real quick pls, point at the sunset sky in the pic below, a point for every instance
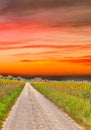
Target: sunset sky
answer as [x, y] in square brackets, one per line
[45, 37]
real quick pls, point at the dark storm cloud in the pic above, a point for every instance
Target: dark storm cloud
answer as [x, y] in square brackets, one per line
[23, 4]
[54, 13]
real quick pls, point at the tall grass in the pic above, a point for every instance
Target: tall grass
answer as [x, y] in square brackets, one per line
[72, 97]
[9, 91]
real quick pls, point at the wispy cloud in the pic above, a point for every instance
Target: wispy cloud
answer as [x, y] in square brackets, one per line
[86, 57]
[84, 60]
[26, 61]
[68, 47]
[72, 61]
[77, 60]
[36, 53]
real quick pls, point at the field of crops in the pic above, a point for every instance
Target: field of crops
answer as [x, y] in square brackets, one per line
[9, 91]
[72, 97]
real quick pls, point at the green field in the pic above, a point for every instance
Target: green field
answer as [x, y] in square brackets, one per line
[72, 97]
[9, 91]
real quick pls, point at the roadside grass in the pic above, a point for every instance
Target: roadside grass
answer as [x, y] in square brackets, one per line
[76, 103]
[9, 91]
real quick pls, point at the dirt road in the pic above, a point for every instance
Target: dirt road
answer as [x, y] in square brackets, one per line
[33, 111]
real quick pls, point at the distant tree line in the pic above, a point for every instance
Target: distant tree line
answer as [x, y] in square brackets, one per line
[10, 77]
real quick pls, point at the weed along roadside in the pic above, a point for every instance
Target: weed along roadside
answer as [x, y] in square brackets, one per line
[73, 97]
[9, 91]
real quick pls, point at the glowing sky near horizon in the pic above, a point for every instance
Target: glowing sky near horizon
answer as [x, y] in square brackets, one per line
[45, 37]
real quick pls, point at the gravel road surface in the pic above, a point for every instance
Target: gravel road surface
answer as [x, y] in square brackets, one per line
[33, 111]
